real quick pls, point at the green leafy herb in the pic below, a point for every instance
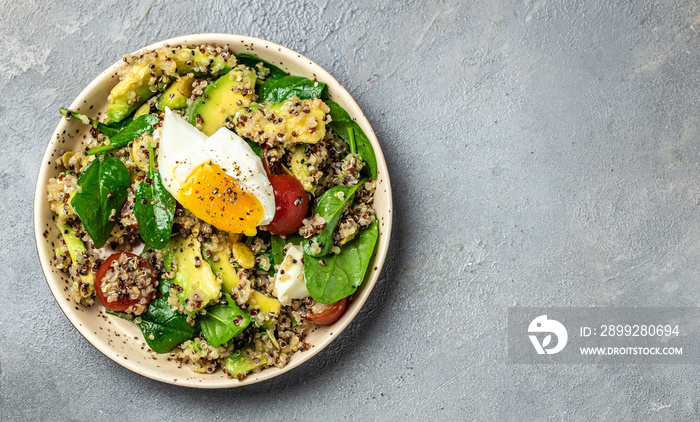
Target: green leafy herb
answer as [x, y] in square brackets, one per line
[278, 89]
[162, 328]
[257, 149]
[335, 277]
[102, 189]
[108, 129]
[271, 258]
[330, 206]
[164, 287]
[131, 131]
[223, 322]
[154, 208]
[338, 113]
[252, 60]
[277, 245]
[348, 129]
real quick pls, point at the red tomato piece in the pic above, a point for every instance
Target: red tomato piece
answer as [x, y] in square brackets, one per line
[126, 283]
[329, 315]
[291, 204]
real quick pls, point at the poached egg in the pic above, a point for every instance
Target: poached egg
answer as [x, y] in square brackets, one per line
[218, 178]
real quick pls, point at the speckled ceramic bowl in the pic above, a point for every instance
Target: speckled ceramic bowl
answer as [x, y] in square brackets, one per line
[121, 340]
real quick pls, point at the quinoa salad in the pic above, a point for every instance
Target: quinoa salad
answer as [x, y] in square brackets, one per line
[221, 204]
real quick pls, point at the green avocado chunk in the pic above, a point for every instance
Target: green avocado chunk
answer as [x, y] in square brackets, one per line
[153, 71]
[221, 99]
[175, 97]
[239, 363]
[223, 269]
[196, 284]
[76, 250]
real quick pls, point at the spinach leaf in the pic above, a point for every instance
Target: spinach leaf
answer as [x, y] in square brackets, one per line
[102, 189]
[164, 286]
[268, 254]
[330, 206]
[348, 129]
[133, 130]
[108, 129]
[278, 89]
[332, 278]
[257, 149]
[162, 328]
[338, 113]
[223, 322]
[154, 208]
[277, 246]
[252, 60]
[112, 129]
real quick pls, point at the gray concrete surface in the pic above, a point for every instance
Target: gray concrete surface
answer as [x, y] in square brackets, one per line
[542, 153]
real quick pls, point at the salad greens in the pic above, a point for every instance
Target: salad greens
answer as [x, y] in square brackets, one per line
[280, 88]
[108, 129]
[337, 276]
[348, 129]
[102, 190]
[131, 131]
[163, 328]
[277, 245]
[330, 206]
[154, 208]
[223, 322]
[257, 149]
[268, 254]
[252, 60]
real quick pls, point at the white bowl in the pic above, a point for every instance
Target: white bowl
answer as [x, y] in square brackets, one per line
[121, 340]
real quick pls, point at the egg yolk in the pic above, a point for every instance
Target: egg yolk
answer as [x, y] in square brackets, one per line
[215, 197]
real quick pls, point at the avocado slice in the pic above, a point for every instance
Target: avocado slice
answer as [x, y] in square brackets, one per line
[196, 284]
[143, 79]
[221, 99]
[224, 270]
[145, 108]
[239, 363]
[175, 97]
[76, 250]
[301, 168]
[268, 305]
[298, 121]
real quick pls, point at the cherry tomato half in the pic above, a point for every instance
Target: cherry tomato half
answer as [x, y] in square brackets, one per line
[133, 280]
[329, 315]
[291, 204]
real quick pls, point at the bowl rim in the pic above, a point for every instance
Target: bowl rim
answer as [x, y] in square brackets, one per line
[380, 251]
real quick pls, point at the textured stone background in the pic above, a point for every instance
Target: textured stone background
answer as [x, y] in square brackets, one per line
[541, 155]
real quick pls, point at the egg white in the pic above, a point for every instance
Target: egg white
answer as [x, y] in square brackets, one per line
[180, 151]
[182, 148]
[289, 281]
